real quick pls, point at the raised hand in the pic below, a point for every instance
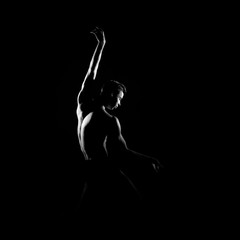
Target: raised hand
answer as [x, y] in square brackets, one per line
[156, 164]
[99, 34]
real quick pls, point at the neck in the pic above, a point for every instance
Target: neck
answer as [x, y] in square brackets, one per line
[105, 109]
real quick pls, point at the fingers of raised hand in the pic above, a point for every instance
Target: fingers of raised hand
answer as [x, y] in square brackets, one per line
[155, 167]
[99, 34]
[97, 30]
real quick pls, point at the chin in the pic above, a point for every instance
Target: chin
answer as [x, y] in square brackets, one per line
[112, 107]
[109, 108]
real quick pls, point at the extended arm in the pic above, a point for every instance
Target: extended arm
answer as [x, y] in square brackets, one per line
[94, 63]
[118, 148]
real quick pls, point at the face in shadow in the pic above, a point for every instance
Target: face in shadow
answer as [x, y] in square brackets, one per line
[115, 100]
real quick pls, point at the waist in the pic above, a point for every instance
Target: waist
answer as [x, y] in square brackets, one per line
[99, 156]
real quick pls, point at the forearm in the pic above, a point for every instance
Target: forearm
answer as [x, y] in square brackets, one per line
[126, 154]
[146, 159]
[89, 86]
[138, 155]
[93, 67]
[126, 157]
[94, 63]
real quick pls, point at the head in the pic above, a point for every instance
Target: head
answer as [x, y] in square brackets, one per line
[112, 93]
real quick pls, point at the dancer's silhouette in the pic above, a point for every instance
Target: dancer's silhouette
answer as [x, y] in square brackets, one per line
[107, 155]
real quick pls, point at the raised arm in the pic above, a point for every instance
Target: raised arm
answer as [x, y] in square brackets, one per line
[93, 66]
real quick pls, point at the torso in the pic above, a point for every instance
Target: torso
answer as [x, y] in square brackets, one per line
[92, 133]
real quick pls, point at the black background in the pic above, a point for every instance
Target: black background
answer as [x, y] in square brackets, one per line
[166, 57]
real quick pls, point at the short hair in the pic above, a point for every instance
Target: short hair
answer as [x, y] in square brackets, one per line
[112, 86]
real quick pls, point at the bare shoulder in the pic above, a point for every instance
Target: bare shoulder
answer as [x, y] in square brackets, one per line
[99, 117]
[110, 122]
[113, 120]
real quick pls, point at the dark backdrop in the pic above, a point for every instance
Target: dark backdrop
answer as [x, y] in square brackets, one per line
[165, 57]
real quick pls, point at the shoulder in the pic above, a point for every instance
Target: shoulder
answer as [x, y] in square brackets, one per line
[97, 115]
[83, 108]
[107, 121]
[110, 118]
[88, 92]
